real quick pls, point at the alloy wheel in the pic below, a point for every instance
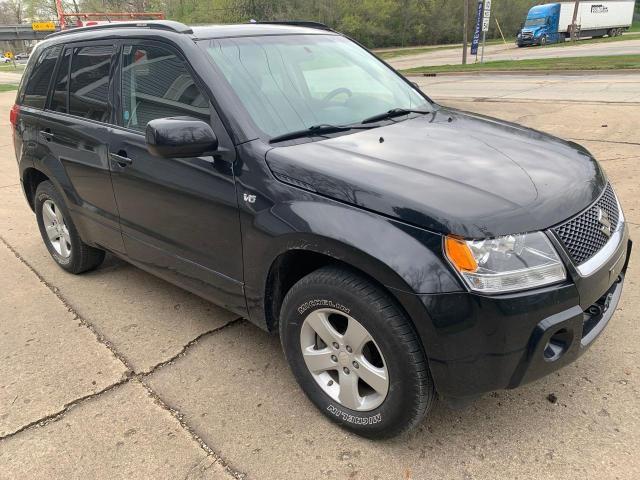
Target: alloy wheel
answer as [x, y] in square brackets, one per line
[56, 228]
[344, 360]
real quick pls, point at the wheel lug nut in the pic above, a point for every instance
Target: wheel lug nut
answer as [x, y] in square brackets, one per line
[346, 370]
[356, 365]
[349, 349]
[335, 345]
[334, 358]
[329, 383]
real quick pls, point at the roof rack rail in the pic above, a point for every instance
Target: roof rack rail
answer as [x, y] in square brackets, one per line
[296, 23]
[152, 24]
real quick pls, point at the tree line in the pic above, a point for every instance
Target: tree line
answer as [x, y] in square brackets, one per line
[376, 23]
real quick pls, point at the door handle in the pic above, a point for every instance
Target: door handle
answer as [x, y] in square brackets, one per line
[121, 158]
[46, 133]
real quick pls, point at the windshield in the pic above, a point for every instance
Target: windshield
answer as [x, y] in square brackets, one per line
[293, 82]
[534, 22]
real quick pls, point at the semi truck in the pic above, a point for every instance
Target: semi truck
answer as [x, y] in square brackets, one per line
[551, 23]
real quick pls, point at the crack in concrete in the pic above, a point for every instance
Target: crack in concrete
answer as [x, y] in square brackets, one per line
[199, 468]
[54, 417]
[175, 413]
[183, 351]
[521, 118]
[617, 142]
[617, 158]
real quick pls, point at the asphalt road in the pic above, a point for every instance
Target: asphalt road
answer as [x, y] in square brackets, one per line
[116, 374]
[511, 52]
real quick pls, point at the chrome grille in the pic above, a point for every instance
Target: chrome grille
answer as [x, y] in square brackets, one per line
[582, 236]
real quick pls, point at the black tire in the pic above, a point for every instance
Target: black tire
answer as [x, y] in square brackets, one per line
[411, 393]
[543, 41]
[82, 257]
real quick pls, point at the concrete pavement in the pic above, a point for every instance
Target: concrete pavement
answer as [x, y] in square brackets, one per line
[184, 389]
[512, 52]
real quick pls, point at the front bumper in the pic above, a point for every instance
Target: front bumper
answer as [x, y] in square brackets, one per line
[478, 343]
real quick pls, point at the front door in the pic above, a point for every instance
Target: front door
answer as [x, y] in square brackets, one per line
[179, 217]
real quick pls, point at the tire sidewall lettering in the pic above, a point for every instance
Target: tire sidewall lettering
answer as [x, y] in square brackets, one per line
[354, 419]
[321, 302]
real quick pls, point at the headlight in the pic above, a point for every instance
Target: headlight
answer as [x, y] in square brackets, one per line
[505, 264]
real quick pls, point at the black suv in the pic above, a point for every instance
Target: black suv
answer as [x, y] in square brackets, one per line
[398, 247]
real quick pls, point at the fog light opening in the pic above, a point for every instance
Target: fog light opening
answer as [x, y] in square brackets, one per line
[557, 345]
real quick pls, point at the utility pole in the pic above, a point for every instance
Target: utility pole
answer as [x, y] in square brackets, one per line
[465, 39]
[574, 26]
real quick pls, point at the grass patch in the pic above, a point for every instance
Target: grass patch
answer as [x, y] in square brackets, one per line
[619, 62]
[7, 87]
[635, 27]
[9, 67]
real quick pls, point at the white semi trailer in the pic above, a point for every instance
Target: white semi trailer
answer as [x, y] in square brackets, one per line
[551, 23]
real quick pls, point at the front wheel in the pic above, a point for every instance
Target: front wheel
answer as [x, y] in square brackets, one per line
[355, 354]
[543, 41]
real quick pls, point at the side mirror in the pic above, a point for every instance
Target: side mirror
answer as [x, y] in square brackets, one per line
[180, 137]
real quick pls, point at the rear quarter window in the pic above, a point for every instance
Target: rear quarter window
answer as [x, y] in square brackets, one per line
[36, 86]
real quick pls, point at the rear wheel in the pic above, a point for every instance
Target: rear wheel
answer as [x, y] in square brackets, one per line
[355, 354]
[60, 235]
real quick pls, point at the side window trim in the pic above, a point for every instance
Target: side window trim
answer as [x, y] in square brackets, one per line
[142, 42]
[52, 86]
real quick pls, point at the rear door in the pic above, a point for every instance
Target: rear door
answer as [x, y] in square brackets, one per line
[179, 217]
[74, 133]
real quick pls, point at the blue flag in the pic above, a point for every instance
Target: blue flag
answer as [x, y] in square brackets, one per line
[476, 33]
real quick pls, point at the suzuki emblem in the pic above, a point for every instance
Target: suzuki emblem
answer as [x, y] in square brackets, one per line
[605, 222]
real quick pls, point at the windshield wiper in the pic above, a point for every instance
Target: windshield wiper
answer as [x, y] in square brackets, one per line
[396, 112]
[317, 130]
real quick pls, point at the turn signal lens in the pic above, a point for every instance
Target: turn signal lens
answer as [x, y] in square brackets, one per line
[460, 254]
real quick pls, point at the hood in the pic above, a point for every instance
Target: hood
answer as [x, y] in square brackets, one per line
[449, 172]
[533, 30]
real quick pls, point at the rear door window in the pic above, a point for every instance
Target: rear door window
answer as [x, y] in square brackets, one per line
[37, 87]
[155, 84]
[89, 87]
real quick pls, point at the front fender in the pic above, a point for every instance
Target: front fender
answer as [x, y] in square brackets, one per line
[401, 257]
